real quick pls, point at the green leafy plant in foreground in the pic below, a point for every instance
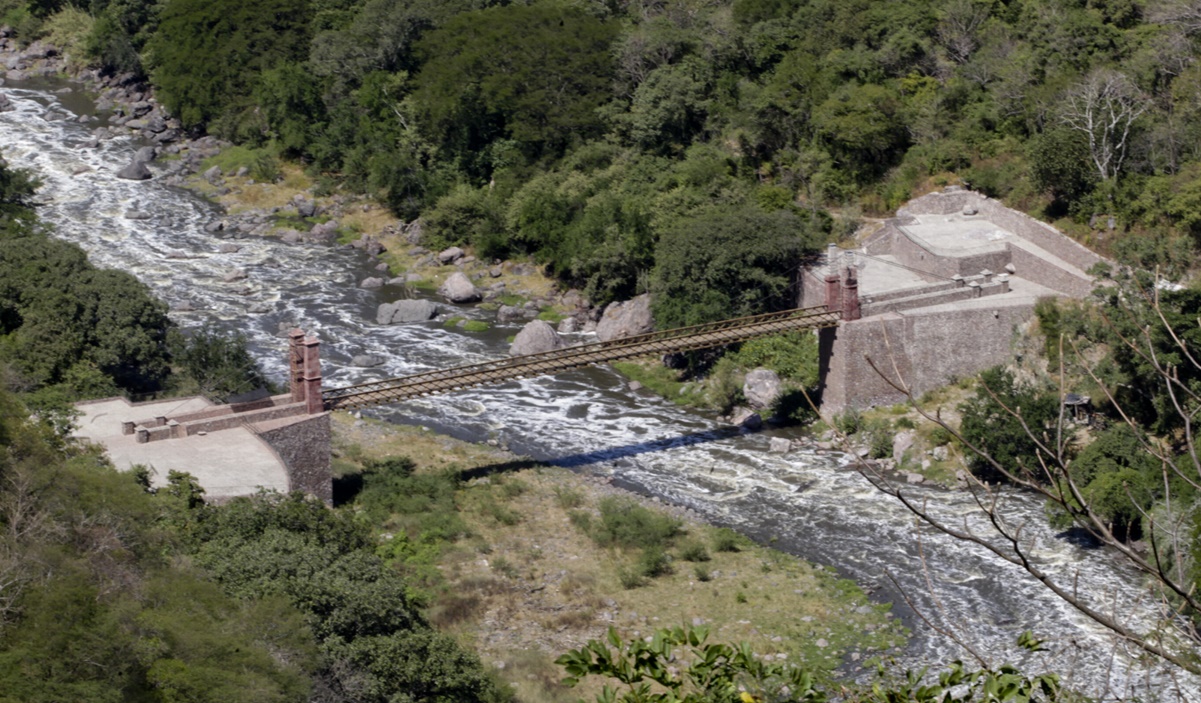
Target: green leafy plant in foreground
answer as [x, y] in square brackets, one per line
[655, 672]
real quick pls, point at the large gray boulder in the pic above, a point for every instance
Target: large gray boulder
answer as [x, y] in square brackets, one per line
[459, 289]
[405, 311]
[626, 319]
[449, 256]
[536, 337]
[761, 388]
[146, 154]
[135, 171]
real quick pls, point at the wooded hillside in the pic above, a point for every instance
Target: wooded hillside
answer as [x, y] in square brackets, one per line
[584, 132]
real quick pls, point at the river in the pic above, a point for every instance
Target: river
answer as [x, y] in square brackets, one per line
[806, 502]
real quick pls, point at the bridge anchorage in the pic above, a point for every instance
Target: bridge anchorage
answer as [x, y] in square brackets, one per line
[715, 334]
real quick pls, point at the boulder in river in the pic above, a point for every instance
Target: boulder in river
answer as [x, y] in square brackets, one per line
[405, 311]
[509, 313]
[626, 319]
[459, 289]
[372, 282]
[367, 360]
[135, 171]
[146, 154]
[761, 388]
[745, 417]
[536, 337]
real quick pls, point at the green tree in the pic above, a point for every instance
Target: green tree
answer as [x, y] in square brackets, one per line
[1059, 165]
[217, 363]
[207, 54]
[729, 263]
[861, 124]
[535, 73]
[1005, 422]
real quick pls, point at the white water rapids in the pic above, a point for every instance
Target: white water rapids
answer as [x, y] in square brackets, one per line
[809, 502]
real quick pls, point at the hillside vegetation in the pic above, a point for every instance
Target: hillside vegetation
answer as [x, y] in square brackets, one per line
[633, 145]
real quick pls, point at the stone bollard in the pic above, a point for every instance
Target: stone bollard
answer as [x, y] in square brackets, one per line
[143, 435]
[128, 427]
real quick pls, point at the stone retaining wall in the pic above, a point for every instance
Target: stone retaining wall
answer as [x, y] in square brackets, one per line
[303, 447]
[920, 349]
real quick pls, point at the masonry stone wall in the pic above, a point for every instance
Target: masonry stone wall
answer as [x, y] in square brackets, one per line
[920, 349]
[1032, 267]
[304, 448]
[1021, 224]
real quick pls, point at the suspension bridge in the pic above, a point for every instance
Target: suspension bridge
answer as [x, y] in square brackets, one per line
[683, 339]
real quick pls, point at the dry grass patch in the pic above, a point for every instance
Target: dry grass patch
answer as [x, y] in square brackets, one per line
[525, 590]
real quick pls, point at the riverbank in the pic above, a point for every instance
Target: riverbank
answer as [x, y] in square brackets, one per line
[526, 583]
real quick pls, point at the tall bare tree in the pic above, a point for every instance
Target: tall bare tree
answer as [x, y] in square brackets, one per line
[959, 28]
[1104, 106]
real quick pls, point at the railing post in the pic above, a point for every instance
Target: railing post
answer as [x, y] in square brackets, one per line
[312, 376]
[850, 296]
[296, 364]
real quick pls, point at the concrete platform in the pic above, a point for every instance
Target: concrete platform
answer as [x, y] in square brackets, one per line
[957, 235]
[228, 463]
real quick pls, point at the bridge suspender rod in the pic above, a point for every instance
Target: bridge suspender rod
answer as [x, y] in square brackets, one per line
[668, 341]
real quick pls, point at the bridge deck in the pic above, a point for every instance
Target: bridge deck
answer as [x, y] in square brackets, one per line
[682, 339]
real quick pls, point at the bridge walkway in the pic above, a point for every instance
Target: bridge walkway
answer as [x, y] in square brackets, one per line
[715, 334]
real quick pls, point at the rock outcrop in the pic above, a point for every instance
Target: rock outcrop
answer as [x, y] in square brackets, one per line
[536, 337]
[459, 289]
[405, 311]
[626, 319]
[761, 388]
[135, 171]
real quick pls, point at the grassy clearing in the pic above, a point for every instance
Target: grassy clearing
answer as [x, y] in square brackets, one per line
[543, 560]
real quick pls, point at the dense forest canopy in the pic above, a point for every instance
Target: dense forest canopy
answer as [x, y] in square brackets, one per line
[580, 131]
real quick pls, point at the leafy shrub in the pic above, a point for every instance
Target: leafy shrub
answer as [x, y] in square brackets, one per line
[511, 487]
[793, 355]
[568, 498]
[631, 579]
[849, 422]
[69, 29]
[582, 520]
[217, 363]
[702, 573]
[727, 540]
[940, 436]
[654, 561]
[694, 551]
[625, 523]
[501, 513]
